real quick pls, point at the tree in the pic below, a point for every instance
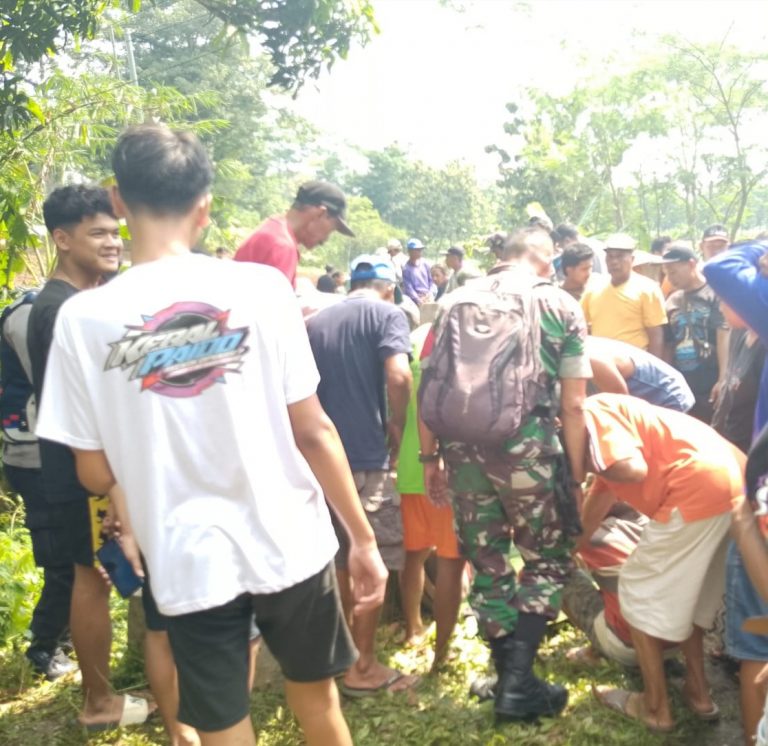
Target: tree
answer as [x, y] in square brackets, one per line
[54, 123]
[670, 147]
[83, 114]
[566, 149]
[301, 38]
[438, 205]
[28, 31]
[724, 93]
[258, 145]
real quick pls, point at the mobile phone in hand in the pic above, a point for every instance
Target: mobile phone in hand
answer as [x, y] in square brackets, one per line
[119, 569]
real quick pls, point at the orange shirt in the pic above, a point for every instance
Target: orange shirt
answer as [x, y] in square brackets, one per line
[690, 466]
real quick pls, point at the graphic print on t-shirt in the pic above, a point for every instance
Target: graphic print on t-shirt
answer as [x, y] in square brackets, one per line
[181, 350]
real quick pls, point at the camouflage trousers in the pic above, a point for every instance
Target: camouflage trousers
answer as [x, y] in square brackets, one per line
[501, 503]
[582, 602]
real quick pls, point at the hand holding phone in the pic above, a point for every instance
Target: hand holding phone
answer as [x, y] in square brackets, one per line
[119, 569]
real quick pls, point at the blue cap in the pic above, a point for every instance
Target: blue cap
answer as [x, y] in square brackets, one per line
[414, 243]
[374, 268]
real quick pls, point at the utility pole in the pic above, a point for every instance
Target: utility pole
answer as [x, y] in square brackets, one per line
[115, 66]
[131, 61]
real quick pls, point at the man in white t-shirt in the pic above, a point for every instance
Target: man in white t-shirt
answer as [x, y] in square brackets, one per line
[190, 384]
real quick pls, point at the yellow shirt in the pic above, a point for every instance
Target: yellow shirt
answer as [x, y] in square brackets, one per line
[625, 311]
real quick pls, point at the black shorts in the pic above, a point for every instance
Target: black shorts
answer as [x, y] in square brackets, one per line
[77, 537]
[303, 626]
[158, 622]
[50, 545]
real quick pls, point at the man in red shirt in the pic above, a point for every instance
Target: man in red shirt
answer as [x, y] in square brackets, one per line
[318, 210]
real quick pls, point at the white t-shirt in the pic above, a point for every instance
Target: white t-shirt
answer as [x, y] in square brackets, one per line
[181, 370]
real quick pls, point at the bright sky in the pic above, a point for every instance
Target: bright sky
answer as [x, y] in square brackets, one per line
[436, 80]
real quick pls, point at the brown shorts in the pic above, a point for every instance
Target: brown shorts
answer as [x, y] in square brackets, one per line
[381, 504]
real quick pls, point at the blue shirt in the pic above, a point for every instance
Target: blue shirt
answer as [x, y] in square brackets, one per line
[350, 341]
[735, 276]
[658, 382]
[417, 280]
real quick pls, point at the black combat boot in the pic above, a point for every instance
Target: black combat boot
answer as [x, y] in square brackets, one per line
[484, 687]
[519, 694]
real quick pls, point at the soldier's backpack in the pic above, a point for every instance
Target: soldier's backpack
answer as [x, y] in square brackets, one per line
[482, 379]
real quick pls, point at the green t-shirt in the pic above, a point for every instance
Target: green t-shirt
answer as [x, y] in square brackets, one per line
[410, 472]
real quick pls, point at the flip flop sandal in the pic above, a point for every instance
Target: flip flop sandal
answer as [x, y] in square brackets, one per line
[616, 700]
[135, 712]
[707, 716]
[585, 655]
[355, 692]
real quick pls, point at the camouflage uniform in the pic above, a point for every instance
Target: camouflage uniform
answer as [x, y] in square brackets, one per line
[507, 493]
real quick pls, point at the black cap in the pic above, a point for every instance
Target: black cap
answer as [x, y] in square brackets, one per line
[715, 231]
[496, 240]
[455, 251]
[328, 195]
[679, 254]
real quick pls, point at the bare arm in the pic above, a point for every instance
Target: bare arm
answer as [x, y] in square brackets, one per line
[723, 339]
[607, 377]
[435, 478]
[95, 474]
[573, 393]
[656, 340]
[319, 443]
[596, 507]
[751, 545]
[723, 345]
[632, 469]
[124, 531]
[94, 471]
[399, 380]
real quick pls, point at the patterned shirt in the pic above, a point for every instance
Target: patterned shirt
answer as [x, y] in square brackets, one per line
[694, 318]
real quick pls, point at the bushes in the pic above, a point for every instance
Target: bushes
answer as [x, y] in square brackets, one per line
[19, 578]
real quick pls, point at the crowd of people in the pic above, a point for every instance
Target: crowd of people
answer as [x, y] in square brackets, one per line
[567, 427]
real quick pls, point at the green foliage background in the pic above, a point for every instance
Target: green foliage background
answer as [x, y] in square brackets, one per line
[19, 578]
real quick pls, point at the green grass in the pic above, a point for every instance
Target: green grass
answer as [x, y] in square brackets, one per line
[438, 713]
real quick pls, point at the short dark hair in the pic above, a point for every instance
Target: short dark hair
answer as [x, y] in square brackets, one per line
[68, 205]
[516, 245]
[375, 284]
[162, 170]
[336, 274]
[660, 243]
[575, 254]
[565, 232]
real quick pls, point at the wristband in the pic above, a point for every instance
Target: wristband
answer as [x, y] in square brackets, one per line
[429, 458]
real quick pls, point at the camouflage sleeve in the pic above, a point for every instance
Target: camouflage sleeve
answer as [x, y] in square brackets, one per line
[574, 361]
